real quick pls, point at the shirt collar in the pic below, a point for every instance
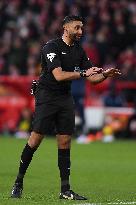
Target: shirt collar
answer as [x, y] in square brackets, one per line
[67, 43]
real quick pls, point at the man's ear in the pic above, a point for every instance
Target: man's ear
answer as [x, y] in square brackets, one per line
[66, 28]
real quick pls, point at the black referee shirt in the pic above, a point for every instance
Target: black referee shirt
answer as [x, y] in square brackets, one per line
[56, 53]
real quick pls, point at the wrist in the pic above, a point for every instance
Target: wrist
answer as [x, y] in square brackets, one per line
[77, 74]
[83, 74]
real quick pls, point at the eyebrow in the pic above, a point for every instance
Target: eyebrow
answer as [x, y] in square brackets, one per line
[78, 25]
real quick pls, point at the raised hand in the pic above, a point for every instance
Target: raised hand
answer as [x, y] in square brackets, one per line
[111, 72]
[93, 70]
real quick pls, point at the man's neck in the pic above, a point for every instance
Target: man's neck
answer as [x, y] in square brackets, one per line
[67, 40]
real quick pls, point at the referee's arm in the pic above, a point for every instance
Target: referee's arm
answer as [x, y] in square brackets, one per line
[97, 78]
[64, 75]
[51, 55]
[98, 74]
[86, 64]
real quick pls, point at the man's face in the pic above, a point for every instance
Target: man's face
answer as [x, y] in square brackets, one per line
[74, 30]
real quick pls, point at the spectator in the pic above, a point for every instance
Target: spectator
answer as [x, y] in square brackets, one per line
[113, 99]
[111, 29]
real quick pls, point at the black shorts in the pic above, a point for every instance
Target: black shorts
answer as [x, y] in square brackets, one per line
[53, 113]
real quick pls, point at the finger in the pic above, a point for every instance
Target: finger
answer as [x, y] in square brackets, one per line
[114, 69]
[94, 73]
[98, 70]
[111, 69]
[118, 73]
[94, 67]
[91, 73]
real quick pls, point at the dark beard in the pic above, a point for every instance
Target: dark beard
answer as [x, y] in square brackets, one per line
[74, 37]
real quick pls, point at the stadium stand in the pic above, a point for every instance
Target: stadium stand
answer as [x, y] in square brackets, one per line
[109, 40]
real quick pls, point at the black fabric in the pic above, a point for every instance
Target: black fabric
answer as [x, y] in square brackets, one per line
[55, 54]
[64, 167]
[50, 56]
[54, 114]
[54, 110]
[26, 158]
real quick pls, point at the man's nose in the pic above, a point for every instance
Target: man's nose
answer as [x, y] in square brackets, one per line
[80, 31]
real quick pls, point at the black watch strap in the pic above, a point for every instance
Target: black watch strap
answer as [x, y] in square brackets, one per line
[83, 73]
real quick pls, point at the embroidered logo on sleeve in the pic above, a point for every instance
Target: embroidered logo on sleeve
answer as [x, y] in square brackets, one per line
[50, 56]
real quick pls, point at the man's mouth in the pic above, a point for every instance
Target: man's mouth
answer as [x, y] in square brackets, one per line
[79, 36]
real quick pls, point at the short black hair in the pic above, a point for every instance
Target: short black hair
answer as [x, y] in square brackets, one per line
[68, 19]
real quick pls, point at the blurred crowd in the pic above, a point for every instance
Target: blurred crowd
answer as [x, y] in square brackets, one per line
[109, 32]
[109, 40]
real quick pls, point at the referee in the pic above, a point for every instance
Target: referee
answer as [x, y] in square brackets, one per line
[63, 60]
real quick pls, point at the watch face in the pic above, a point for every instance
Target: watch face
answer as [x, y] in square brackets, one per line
[77, 68]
